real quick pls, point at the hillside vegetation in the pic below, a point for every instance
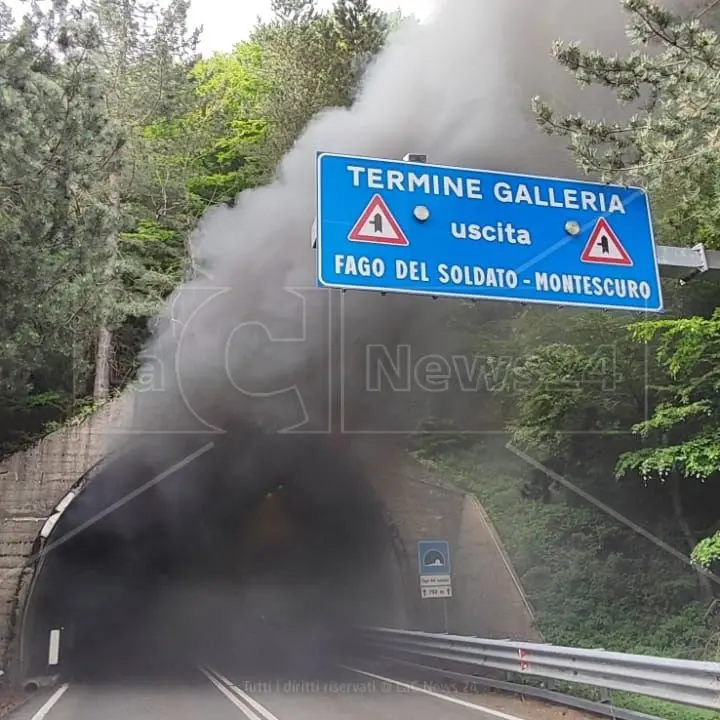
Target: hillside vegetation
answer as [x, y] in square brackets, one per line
[592, 581]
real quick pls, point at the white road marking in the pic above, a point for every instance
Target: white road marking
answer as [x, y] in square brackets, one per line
[439, 696]
[48, 706]
[244, 709]
[254, 704]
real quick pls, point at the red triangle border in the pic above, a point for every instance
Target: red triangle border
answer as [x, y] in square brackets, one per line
[603, 225]
[378, 203]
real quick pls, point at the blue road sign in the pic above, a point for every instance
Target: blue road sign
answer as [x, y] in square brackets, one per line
[422, 229]
[434, 557]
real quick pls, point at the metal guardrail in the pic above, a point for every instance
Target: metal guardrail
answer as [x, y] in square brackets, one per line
[474, 683]
[687, 682]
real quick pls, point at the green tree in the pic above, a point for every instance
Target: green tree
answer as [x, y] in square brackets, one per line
[250, 104]
[670, 146]
[227, 126]
[145, 53]
[312, 60]
[55, 147]
[681, 439]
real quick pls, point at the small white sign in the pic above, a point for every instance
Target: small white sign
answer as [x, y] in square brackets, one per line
[435, 580]
[54, 647]
[441, 591]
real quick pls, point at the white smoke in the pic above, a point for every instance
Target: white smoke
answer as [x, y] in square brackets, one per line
[458, 88]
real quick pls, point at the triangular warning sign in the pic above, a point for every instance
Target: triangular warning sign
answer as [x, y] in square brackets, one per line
[377, 225]
[604, 247]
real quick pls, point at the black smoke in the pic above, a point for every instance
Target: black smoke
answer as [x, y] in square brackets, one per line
[264, 377]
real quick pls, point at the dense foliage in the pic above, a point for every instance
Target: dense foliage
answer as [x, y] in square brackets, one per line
[117, 136]
[591, 581]
[667, 398]
[613, 418]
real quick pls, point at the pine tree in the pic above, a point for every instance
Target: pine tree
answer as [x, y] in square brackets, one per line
[671, 146]
[145, 52]
[313, 60]
[55, 147]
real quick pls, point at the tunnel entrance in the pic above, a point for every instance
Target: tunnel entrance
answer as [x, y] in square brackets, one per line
[262, 554]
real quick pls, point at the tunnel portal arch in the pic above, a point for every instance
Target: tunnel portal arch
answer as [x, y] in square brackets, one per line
[488, 598]
[68, 522]
[14, 655]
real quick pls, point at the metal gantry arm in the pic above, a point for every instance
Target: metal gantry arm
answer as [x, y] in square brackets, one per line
[686, 264]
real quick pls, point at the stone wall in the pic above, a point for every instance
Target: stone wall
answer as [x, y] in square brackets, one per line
[494, 603]
[31, 484]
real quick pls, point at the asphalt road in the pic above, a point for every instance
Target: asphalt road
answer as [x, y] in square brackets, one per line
[208, 694]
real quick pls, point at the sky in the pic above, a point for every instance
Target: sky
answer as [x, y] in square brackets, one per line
[226, 22]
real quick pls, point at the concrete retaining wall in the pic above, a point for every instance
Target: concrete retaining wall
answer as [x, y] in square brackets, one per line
[488, 599]
[494, 602]
[31, 484]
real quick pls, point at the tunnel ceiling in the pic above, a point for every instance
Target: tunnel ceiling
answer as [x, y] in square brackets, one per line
[259, 547]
